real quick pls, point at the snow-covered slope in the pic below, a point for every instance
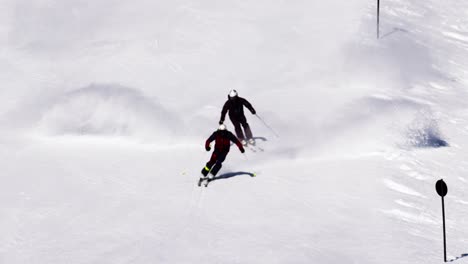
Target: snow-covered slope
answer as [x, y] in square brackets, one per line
[105, 107]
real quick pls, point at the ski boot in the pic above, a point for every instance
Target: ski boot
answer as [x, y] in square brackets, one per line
[204, 175]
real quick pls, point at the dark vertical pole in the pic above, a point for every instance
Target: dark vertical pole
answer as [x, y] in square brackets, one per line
[378, 18]
[442, 190]
[443, 225]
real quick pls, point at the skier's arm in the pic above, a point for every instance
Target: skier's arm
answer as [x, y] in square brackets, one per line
[208, 142]
[249, 106]
[223, 112]
[237, 142]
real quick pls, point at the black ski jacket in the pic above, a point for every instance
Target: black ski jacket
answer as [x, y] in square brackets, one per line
[223, 140]
[235, 106]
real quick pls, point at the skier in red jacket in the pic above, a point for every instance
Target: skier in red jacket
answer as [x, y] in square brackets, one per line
[235, 106]
[223, 139]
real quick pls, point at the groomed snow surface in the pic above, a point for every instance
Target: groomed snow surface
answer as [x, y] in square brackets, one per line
[105, 107]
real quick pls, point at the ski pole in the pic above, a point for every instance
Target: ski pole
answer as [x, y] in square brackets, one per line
[267, 125]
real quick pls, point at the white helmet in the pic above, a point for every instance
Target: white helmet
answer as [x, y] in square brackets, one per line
[232, 93]
[222, 127]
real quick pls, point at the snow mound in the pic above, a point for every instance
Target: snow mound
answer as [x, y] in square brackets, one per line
[424, 132]
[107, 109]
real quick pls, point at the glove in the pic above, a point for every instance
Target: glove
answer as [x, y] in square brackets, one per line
[242, 150]
[208, 148]
[221, 122]
[254, 112]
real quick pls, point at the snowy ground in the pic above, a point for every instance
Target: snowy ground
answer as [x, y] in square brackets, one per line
[105, 108]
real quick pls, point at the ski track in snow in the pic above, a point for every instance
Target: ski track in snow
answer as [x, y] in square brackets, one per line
[401, 188]
[409, 217]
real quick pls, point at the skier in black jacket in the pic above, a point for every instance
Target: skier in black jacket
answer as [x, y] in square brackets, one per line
[223, 139]
[235, 106]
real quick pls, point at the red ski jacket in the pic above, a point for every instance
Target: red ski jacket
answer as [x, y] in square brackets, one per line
[223, 140]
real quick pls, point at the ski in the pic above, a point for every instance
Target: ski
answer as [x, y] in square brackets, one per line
[255, 148]
[208, 180]
[252, 148]
[200, 181]
[204, 181]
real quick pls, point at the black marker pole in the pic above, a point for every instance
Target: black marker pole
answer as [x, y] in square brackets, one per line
[443, 227]
[442, 190]
[378, 18]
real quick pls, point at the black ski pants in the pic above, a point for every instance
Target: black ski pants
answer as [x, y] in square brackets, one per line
[238, 122]
[215, 163]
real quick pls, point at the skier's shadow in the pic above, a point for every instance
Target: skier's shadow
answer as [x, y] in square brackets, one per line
[228, 175]
[395, 30]
[260, 138]
[457, 258]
